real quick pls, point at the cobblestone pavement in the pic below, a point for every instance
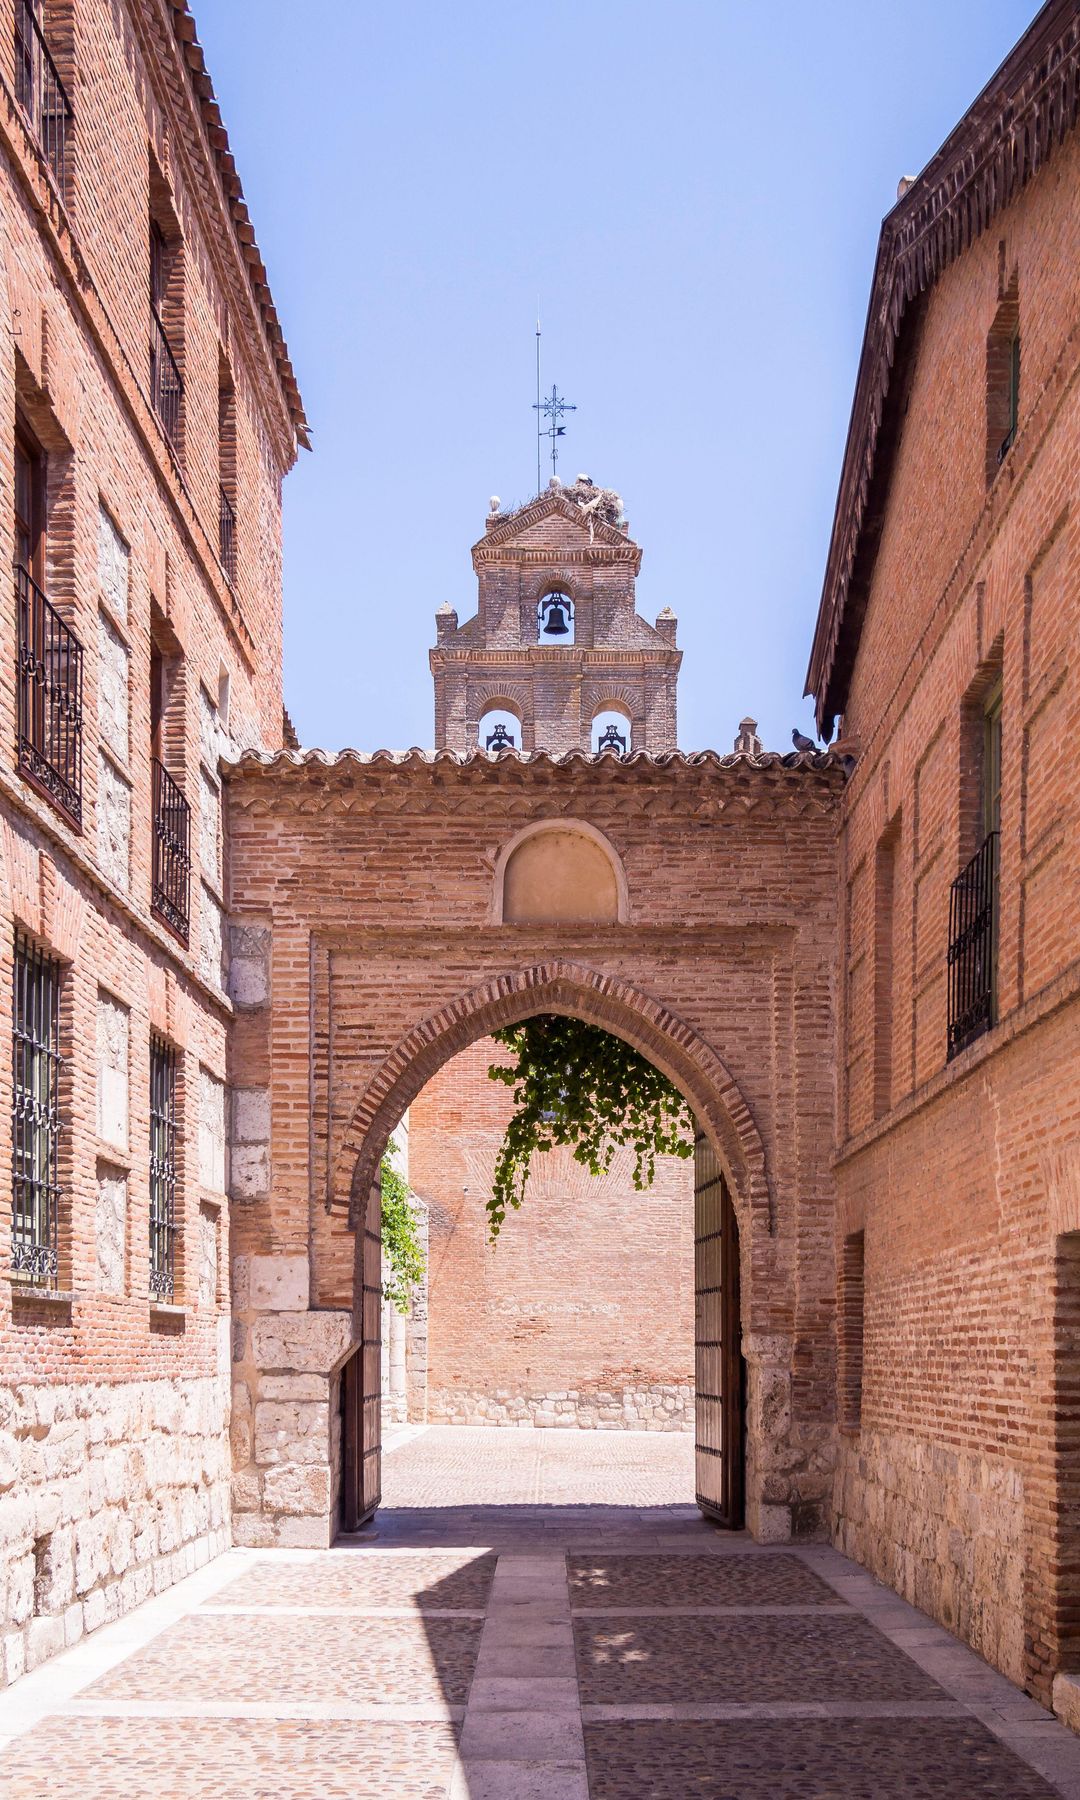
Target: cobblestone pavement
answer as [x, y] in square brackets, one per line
[586, 1637]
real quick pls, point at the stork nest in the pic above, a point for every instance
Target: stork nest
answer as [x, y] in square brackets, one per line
[596, 502]
[599, 502]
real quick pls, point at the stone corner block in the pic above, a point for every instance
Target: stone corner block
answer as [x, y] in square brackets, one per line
[1067, 1700]
[278, 1283]
[300, 1342]
[768, 1524]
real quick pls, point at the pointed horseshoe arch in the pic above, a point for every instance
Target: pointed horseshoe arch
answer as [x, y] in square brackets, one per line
[581, 993]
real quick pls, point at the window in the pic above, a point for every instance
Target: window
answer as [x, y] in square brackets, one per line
[851, 1313]
[884, 959]
[555, 618]
[35, 1115]
[49, 666]
[170, 891]
[1002, 374]
[39, 89]
[1012, 396]
[162, 1170]
[973, 902]
[29, 505]
[166, 310]
[226, 469]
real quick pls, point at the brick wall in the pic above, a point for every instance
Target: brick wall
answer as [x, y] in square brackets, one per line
[113, 1411]
[582, 1313]
[963, 1176]
[364, 890]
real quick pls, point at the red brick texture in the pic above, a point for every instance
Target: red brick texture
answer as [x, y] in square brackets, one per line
[957, 1484]
[113, 1415]
[616, 662]
[582, 1313]
[374, 881]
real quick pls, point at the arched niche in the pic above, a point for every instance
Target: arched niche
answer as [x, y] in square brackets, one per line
[559, 872]
[608, 718]
[499, 713]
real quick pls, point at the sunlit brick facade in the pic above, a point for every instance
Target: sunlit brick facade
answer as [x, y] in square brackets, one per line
[147, 416]
[948, 638]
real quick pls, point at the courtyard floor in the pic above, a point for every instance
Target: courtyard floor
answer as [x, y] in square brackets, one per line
[532, 1616]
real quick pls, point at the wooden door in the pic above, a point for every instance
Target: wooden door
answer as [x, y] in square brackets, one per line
[717, 1343]
[361, 1386]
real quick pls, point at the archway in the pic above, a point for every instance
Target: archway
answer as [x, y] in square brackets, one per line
[721, 1147]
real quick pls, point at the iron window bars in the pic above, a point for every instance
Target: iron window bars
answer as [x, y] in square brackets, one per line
[50, 684]
[166, 382]
[39, 89]
[35, 1115]
[973, 947]
[162, 1170]
[227, 534]
[170, 896]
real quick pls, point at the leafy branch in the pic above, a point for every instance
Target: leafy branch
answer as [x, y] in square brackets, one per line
[578, 1086]
[400, 1240]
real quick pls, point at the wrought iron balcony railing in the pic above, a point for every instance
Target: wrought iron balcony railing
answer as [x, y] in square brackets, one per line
[166, 382]
[40, 91]
[50, 684]
[973, 947]
[171, 874]
[227, 534]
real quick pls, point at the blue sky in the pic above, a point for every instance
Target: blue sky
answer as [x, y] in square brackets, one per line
[694, 192]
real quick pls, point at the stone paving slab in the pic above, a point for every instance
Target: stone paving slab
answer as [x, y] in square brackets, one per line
[682, 1581]
[301, 1658]
[229, 1759]
[375, 1578]
[806, 1760]
[652, 1658]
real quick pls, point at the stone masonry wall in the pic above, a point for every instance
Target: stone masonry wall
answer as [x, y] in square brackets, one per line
[582, 1312]
[108, 1494]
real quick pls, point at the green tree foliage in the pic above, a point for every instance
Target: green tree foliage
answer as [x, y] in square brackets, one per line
[400, 1241]
[574, 1084]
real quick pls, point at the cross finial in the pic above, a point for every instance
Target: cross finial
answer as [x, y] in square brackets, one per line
[552, 409]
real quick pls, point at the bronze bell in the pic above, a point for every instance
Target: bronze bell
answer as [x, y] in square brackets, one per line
[555, 624]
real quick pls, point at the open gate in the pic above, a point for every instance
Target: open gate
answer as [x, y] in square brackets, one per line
[718, 1362]
[361, 1387]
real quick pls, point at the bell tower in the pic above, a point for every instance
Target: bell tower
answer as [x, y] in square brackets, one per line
[555, 654]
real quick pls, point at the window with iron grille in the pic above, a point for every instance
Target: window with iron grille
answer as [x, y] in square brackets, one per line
[162, 1170]
[166, 320]
[973, 905]
[35, 1115]
[39, 89]
[226, 468]
[49, 665]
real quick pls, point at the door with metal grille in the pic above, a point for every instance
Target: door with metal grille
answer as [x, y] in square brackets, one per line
[361, 1385]
[717, 1343]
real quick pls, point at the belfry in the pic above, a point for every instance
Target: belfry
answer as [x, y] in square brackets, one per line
[556, 651]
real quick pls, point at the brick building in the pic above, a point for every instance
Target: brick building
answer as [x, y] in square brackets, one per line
[861, 968]
[947, 639]
[148, 416]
